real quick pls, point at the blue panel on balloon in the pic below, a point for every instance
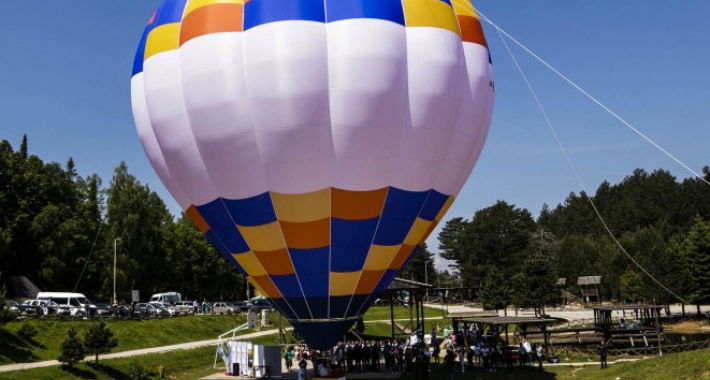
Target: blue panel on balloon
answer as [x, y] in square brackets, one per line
[385, 281]
[282, 306]
[403, 204]
[288, 285]
[318, 307]
[219, 220]
[338, 306]
[356, 305]
[322, 335]
[298, 305]
[350, 242]
[433, 204]
[258, 12]
[314, 284]
[446, 1]
[169, 11]
[392, 231]
[307, 261]
[254, 211]
[140, 53]
[390, 10]
[217, 242]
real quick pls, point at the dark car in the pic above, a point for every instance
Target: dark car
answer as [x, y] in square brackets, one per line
[103, 310]
[149, 310]
[260, 304]
[240, 306]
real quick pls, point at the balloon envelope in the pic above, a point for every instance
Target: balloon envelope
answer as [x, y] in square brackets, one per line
[315, 143]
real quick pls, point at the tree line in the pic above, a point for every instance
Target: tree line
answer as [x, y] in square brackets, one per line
[663, 223]
[57, 228]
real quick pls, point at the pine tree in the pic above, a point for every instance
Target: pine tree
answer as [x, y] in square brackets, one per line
[23, 147]
[694, 253]
[496, 291]
[72, 349]
[99, 340]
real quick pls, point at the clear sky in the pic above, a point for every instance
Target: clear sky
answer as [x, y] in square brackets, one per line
[65, 69]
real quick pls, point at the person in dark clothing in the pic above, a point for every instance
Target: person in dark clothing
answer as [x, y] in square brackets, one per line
[450, 362]
[603, 353]
[437, 351]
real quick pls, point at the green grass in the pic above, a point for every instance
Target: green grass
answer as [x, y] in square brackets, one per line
[690, 365]
[184, 364]
[131, 334]
[400, 312]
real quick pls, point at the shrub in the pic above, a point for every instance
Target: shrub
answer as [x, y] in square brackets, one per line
[72, 349]
[99, 339]
[136, 371]
[27, 331]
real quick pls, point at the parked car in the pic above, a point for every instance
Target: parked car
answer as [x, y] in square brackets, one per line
[39, 307]
[103, 310]
[223, 308]
[169, 297]
[260, 304]
[13, 306]
[150, 310]
[185, 307]
[75, 304]
[169, 308]
[240, 306]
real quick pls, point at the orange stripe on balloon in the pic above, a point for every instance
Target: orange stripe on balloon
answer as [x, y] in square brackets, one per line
[215, 18]
[197, 218]
[276, 262]
[402, 256]
[357, 205]
[471, 30]
[307, 235]
[368, 281]
[267, 286]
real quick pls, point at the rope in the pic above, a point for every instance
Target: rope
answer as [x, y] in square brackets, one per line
[574, 169]
[96, 238]
[583, 91]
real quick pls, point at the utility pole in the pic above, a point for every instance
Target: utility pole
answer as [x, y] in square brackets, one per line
[115, 242]
[426, 279]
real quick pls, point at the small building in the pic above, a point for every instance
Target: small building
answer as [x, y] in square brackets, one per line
[589, 288]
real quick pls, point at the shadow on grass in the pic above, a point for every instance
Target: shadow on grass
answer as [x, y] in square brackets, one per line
[13, 349]
[478, 373]
[78, 372]
[109, 371]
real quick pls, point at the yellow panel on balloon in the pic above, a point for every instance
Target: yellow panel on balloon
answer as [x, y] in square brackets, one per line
[432, 13]
[250, 263]
[194, 4]
[307, 207]
[464, 8]
[343, 283]
[380, 256]
[417, 232]
[263, 238]
[161, 39]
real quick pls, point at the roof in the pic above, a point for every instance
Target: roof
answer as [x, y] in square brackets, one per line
[472, 314]
[401, 283]
[509, 320]
[631, 306]
[589, 280]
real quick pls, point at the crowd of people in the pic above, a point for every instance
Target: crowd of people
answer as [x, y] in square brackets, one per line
[456, 351]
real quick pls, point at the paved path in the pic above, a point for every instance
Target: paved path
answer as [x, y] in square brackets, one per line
[143, 351]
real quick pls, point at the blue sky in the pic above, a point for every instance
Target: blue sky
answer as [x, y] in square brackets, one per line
[65, 72]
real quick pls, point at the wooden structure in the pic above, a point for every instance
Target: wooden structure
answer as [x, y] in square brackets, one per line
[643, 323]
[412, 293]
[589, 288]
[498, 326]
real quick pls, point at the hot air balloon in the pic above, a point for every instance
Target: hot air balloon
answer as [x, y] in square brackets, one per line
[315, 143]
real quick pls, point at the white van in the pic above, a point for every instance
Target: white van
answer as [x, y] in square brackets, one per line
[74, 304]
[170, 297]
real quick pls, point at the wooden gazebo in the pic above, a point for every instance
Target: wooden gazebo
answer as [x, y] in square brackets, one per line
[499, 325]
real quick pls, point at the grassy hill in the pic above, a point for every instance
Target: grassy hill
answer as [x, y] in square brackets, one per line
[131, 334]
